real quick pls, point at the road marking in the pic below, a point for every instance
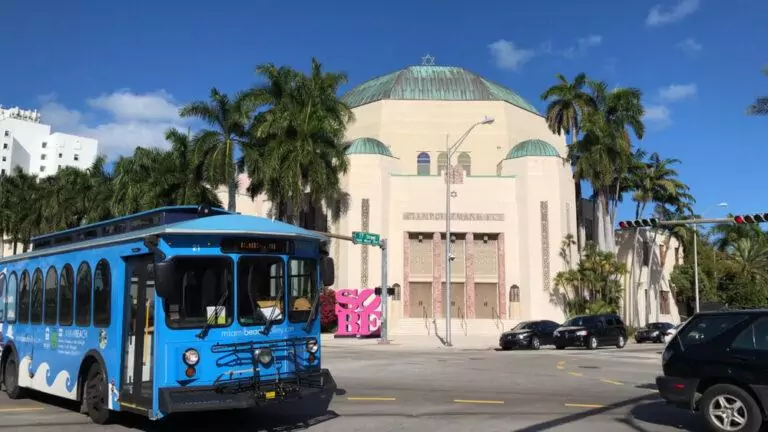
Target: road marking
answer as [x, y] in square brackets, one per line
[378, 399]
[478, 401]
[5, 410]
[575, 374]
[584, 406]
[611, 382]
[561, 365]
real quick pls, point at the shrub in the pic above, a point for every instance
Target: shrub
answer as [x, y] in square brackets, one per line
[328, 320]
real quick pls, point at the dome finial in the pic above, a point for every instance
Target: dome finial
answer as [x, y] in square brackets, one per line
[427, 60]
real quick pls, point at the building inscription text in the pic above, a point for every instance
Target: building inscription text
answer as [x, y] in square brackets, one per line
[432, 216]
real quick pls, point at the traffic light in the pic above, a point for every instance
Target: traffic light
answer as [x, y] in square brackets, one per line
[639, 223]
[749, 219]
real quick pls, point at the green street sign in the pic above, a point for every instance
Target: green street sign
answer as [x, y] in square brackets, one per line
[365, 238]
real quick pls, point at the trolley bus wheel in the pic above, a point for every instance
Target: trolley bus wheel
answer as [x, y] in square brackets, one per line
[95, 394]
[11, 378]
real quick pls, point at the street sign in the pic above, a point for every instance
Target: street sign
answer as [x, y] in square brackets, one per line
[365, 238]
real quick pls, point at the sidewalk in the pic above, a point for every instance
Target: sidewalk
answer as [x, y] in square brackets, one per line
[414, 343]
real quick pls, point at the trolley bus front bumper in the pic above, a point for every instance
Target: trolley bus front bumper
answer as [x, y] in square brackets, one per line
[247, 393]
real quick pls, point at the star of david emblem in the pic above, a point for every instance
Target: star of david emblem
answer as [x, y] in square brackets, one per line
[427, 60]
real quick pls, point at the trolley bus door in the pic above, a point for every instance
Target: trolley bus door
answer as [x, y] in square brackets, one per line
[139, 328]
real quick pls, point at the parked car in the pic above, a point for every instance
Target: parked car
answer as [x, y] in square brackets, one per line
[591, 331]
[715, 366]
[529, 334]
[653, 332]
[671, 333]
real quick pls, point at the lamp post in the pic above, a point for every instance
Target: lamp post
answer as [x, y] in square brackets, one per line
[696, 253]
[449, 151]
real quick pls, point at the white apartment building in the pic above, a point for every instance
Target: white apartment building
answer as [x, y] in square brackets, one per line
[29, 144]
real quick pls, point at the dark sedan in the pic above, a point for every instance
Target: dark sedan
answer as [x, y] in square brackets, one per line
[529, 334]
[653, 332]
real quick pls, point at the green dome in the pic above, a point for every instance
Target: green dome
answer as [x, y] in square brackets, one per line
[438, 83]
[532, 147]
[368, 146]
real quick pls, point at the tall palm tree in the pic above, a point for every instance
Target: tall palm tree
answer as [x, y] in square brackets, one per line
[296, 154]
[604, 153]
[760, 107]
[228, 119]
[565, 112]
[186, 166]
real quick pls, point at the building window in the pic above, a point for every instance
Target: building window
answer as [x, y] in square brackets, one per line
[442, 162]
[45, 144]
[7, 133]
[61, 155]
[42, 168]
[4, 158]
[77, 157]
[423, 164]
[43, 156]
[5, 146]
[514, 294]
[664, 303]
[465, 162]
[2, 171]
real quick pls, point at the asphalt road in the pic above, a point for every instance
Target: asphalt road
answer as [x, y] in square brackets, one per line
[384, 389]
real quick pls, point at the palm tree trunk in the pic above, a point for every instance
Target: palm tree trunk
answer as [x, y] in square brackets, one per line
[232, 191]
[580, 229]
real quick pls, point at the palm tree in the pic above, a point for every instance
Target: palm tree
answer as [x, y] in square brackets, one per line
[604, 153]
[760, 107]
[566, 112]
[296, 154]
[188, 185]
[228, 119]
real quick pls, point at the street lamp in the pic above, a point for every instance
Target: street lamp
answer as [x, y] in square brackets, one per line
[449, 151]
[696, 253]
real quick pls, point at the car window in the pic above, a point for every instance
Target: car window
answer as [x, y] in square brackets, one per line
[705, 328]
[754, 337]
[610, 321]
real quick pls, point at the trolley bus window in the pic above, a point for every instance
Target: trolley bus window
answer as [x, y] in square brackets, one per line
[303, 280]
[259, 282]
[37, 297]
[24, 298]
[83, 295]
[2, 297]
[10, 299]
[200, 284]
[66, 296]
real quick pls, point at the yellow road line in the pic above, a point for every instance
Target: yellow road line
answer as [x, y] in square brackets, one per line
[371, 398]
[5, 410]
[478, 401]
[584, 406]
[575, 374]
[611, 382]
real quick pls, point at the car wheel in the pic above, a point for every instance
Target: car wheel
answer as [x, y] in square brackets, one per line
[96, 393]
[11, 378]
[729, 408]
[621, 342]
[535, 343]
[592, 343]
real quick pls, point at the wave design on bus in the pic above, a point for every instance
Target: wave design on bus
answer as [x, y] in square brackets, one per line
[62, 384]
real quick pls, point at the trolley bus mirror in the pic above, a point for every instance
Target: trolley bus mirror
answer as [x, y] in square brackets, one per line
[327, 271]
[164, 274]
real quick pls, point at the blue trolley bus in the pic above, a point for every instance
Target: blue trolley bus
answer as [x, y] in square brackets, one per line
[172, 310]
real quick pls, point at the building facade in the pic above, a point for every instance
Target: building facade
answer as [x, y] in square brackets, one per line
[27, 143]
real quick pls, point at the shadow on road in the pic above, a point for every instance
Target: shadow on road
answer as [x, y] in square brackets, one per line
[662, 414]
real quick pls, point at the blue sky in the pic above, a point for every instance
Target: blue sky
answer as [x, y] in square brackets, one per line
[117, 71]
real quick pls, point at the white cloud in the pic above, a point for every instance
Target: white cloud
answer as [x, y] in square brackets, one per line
[689, 46]
[125, 105]
[660, 15]
[678, 92]
[133, 120]
[657, 115]
[582, 46]
[509, 56]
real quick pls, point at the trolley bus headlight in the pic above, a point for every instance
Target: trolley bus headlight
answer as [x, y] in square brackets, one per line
[312, 346]
[191, 357]
[264, 355]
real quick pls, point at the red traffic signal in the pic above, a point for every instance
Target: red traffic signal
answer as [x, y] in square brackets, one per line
[750, 219]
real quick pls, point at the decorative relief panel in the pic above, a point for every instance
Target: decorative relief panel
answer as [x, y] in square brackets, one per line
[458, 246]
[364, 226]
[547, 279]
[486, 251]
[406, 290]
[437, 274]
[470, 275]
[420, 262]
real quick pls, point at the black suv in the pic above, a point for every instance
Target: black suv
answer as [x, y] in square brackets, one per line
[591, 331]
[717, 364]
